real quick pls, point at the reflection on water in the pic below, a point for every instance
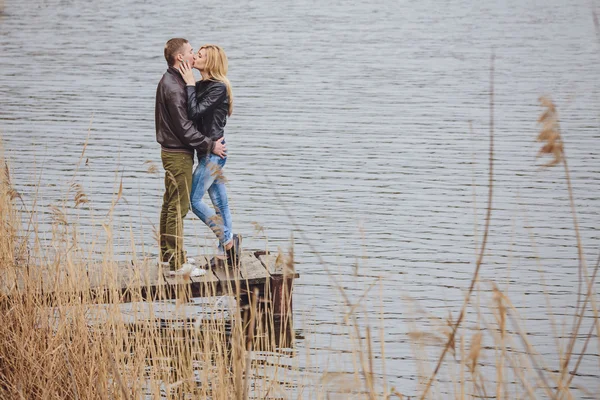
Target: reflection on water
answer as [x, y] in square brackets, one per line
[357, 118]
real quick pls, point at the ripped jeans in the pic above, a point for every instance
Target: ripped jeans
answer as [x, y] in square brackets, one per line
[208, 176]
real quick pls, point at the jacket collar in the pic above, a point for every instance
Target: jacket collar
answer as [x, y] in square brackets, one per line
[175, 72]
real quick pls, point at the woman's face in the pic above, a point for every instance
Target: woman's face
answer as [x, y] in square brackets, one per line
[200, 60]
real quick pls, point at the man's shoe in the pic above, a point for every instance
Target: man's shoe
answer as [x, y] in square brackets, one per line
[186, 269]
[196, 272]
[189, 270]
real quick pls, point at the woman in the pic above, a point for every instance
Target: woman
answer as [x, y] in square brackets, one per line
[210, 102]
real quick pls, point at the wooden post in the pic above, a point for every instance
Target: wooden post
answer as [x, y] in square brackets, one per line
[281, 297]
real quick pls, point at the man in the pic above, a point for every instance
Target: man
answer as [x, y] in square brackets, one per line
[178, 139]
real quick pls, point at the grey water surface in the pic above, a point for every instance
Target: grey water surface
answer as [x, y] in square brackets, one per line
[362, 128]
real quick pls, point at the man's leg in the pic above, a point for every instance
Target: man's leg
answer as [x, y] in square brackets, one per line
[176, 203]
[164, 249]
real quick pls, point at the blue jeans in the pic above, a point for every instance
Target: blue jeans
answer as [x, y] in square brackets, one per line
[208, 176]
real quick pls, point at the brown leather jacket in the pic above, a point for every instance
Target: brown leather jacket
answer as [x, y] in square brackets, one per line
[174, 130]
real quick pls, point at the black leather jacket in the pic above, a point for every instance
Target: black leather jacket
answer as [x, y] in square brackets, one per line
[208, 105]
[174, 130]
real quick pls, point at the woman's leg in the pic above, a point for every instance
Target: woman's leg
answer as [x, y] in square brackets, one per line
[204, 176]
[218, 195]
[201, 180]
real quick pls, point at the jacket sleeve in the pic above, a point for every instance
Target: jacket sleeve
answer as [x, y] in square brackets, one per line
[213, 97]
[183, 126]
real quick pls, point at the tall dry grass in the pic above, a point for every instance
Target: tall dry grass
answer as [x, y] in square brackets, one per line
[59, 340]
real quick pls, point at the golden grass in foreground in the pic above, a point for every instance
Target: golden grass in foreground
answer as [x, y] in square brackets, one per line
[80, 349]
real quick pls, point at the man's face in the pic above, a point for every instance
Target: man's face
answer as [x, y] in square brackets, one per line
[187, 54]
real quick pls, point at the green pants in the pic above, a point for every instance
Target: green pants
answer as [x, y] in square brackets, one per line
[176, 204]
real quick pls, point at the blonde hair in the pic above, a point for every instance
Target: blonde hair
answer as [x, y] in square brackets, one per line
[216, 68]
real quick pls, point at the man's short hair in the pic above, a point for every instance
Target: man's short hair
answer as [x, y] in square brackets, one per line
[173, 47]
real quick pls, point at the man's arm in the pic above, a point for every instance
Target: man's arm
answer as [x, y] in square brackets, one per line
[183, 127]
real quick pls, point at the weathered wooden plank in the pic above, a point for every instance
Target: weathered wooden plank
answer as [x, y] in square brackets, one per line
[49, 280]
[173, 280]
[111, 275]
[202, 260]
[277, 264]
[128, 275]
[114, 281]
[226, 274]
[210, 277]
[44, 279]
[96, 275]
[271, 263]
[252, 269]
[145, 272]
[198, 286]
[148, 279]
[229, 277]
[144, 279]
[176, 285]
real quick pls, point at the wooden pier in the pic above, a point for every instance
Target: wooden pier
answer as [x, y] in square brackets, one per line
[268, 276]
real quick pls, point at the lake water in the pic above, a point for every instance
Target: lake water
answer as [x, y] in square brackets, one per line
[351, 130]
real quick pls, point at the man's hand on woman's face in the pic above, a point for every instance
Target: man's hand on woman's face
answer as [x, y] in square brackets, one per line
[186, 73]
[220, 148]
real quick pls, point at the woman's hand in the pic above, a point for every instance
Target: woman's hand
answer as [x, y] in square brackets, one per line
[186, 73]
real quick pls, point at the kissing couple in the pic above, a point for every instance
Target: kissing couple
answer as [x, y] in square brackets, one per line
[190, 120]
